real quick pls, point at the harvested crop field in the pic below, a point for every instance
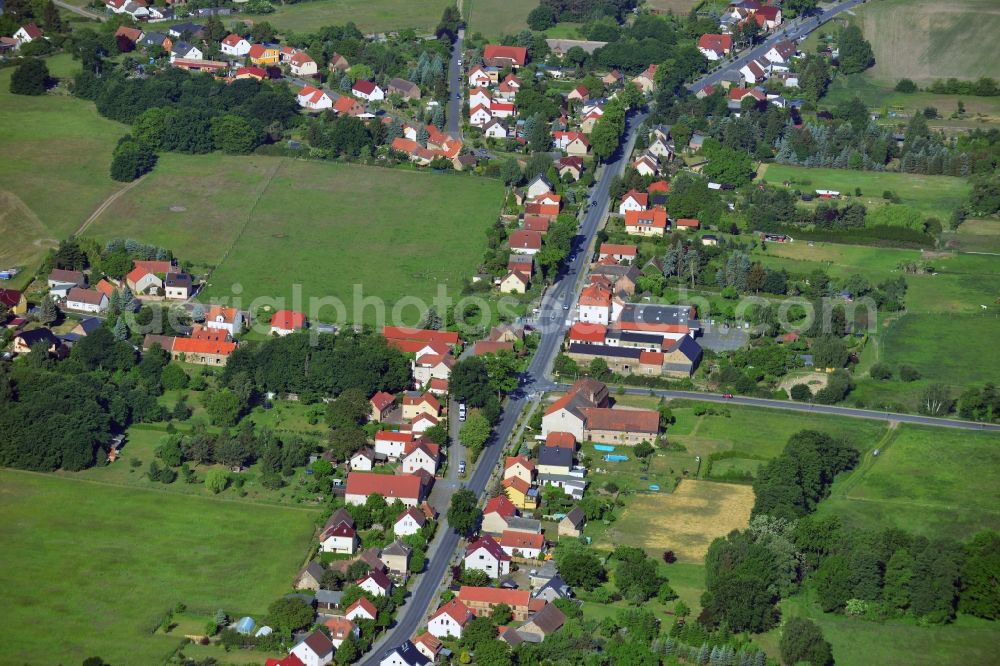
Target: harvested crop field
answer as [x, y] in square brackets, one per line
[685, 521]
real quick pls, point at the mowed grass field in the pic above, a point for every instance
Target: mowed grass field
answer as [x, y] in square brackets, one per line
[925, 40]
[89, 569]
[273, 225]
[931, 195]
[57, 153]
[931, 481]
[368, 15]
[911, 340]
[495, 19]
[685, 521]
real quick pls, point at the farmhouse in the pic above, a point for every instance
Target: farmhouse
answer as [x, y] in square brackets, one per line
[407, 488]
[229, 320]
[449, 619]
[481, 600]
[646, 222]
[583, 412]
[367, 90]
[202, 349]
[86, 300]
[405, 89]
[617, 252]
[670, 321]
[522, 544]
[286, 322]
[505, 56]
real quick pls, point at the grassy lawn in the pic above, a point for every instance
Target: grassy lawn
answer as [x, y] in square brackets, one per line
[979, 235]
[931, 195]
[494, 19]
[368, 15]
[932, 481]
[280, 224]
[57, 152]
[109, 561]
[909, 340]
[924, 40]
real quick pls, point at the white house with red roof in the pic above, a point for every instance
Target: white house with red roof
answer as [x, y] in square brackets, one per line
[507, 90]
[302, 64]
[505, 56]
[416, 403]
[478, 78]
[407, 488]
[362, 609]
[314, 99]
[376, 584]
[486, 555]
[339, 535]
[286, 322]
[421, 455]
[423, 423]
[647, 165]
[646, 80]
[392, 444]
[479, 116]
[141, 280]
[525, 242]
[618, 252]
[500, 109]
[756, 71]
[714, 46]
[225, 319]
[235, 45]
[315, 650]
[28, 33]
[430, 366]
[409, 522]
[480, 97]
[579, 94]
[519, 466]
[781, 53]
[522, 544]
[450, 619]
[367, 90]
[571, 143]
[595, 304]
[633, 200]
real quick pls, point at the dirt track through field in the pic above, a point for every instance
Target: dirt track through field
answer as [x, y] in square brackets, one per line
[105, 204]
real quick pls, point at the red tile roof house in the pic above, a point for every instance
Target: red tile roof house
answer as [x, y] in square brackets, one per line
[410, 489]
[481, 601]
[618, 252]
[715, 47]
[392, 444]
[450, 619]
[376, 583]
[525, 242]
[522, 544]
[396, 335]
[486, 555]
[505, 56]
[367, 90]
[361, 609]
[633, 200]
[382, 404]
[286, 322]
[495, 514]
[561, 440]
[315, 650]
[409, 522]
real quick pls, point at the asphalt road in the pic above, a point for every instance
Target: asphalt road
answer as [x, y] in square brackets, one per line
[455, 88]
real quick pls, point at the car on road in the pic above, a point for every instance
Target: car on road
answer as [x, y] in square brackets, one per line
[458, 95]
[727, 396]
[461, 467]
[460, 63]
[461, 411]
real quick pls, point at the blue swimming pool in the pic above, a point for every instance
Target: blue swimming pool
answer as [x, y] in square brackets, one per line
[653, 486]
[615, 458]
[604, 447]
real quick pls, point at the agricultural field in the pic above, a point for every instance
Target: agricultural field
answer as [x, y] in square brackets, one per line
[676, 7]
[278, 225]
[975, 235]
[922, 481]
[931, 195]
[906, 342]
[685, 521]
[107, 562]
[925, 40]
[495, 19]
[57, 151]
[368, 15]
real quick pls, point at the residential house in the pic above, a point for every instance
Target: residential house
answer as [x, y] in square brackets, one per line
[348, 106]
[410, 522]
[340, 629]
[614, 77]
[537, 187]
[553, 589]
[562, 440]
[686, 223]
[479, 116]
[382, 404]
[86, 300]
[755, 71]
[408, 488]
[405, 89]
[202, 350]
[376, 583]
[715, 47]
[646, 81]
[28, 33]
[339, 64]
[646, 223]
[225, 319]
[617, 252]
[521, 262]
[525, 242]
[151, 39]
[309, 576]
[507, 90]
[339, 534]
[781, 53]
[768, 17]
[661, 149]
[302, 64]
[647, 165]
[500, 109]
[519, 467]
[133, 35]
[392, 444]
[315, 650]
[485, 554]
[705, 91]
[480, 97]
[421, 455]
[61, 281]
[496, 513]
[329, 599]
[14, 301]
[141, 280]
[595, 304]
[633, 200]
[481, 600]
[478, 78]
[571, 143]
[406, 654]
[514, 57]
[521, 494]
[314, 99]
[251, 72]
[515, 282]
[153, 12]
[363, 460]
[522, 544]
[362, 609]
[571, 165]
[24, 341]
[286, 322]
[682, 357]
[449, 619]
[396, 557]
[367, 90]
[423, 423]
[509, 636]
[494, 129]
[185, 50]
[544, 622]
[428, 646]
[577, 94]
[193, 29]
[264, 55]
[572, 523]
[178, 286]
[416, 403]
[555, 460]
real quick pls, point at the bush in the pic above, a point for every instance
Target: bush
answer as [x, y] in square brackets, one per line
[908, 373]
[880, 371]
[801, 393]
[30, 78]
[906, 86]
[131, 160]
